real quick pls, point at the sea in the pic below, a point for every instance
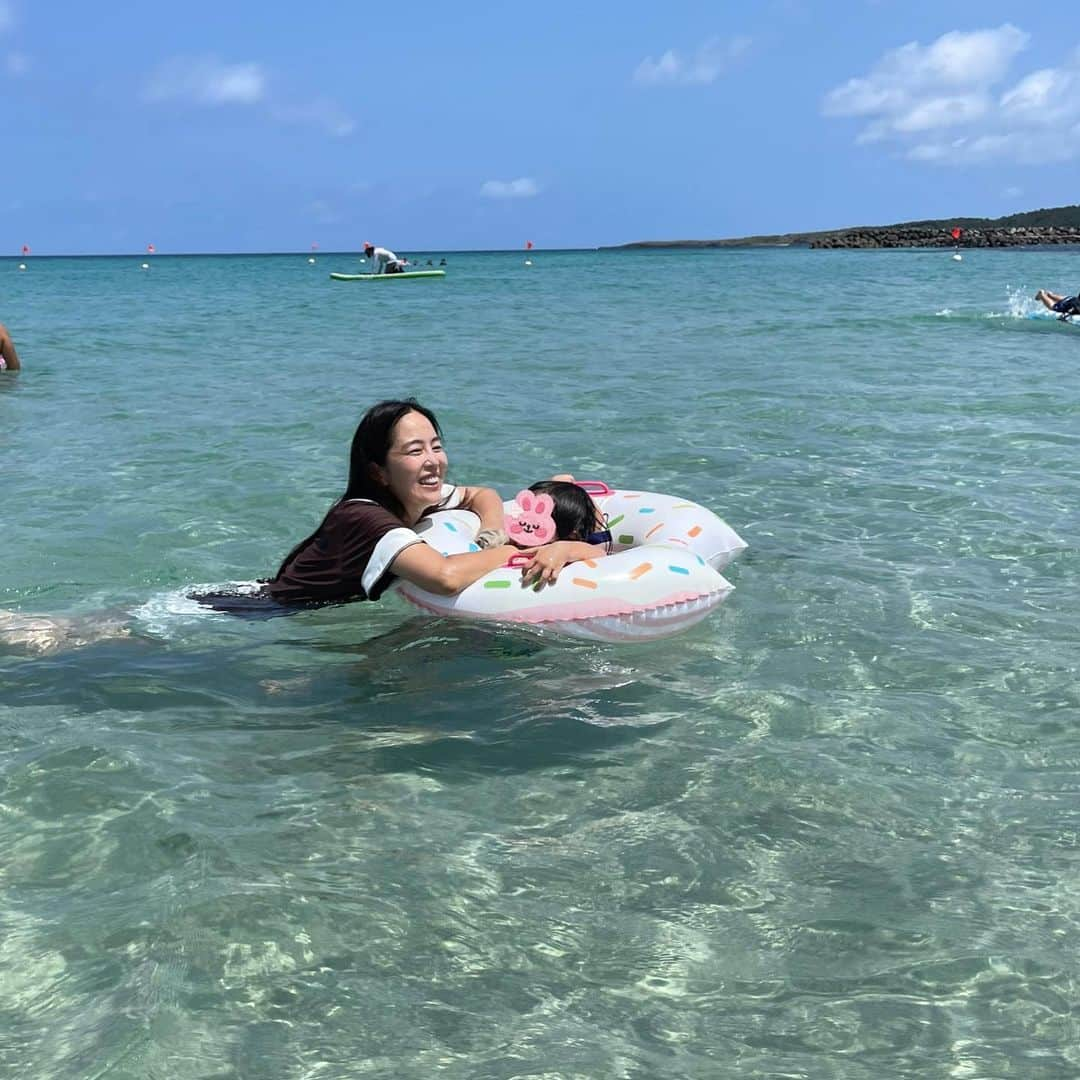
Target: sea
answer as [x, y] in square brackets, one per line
[833, 831]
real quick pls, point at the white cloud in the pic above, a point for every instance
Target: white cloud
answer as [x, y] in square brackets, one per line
[322, 213]
[1017, 147]
[324, 114]
[942, 112]
[1012, 192]
[916, 94]
[957, 65]
[978, 57]
[705, 66]
[14, 63]
[206, 80]
[522, 188]
[1044, 98]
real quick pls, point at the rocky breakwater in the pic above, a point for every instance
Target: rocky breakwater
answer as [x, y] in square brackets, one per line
[902, 237]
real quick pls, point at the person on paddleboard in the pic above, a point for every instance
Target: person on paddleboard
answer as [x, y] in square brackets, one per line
[383, 260]
[1063, 305]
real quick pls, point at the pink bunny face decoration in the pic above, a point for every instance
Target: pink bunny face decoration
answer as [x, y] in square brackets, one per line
[534, 525]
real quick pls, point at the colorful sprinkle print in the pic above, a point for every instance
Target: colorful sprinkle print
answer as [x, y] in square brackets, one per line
[614, 598]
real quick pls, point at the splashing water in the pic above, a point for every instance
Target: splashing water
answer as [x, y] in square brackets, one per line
[166, 614]
[1019, 304]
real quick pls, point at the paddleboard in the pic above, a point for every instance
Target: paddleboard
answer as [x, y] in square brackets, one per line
[1050, 316]
[389, 277]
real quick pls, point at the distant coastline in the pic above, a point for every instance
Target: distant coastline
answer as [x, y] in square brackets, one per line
[353, 253]
[1056, 225]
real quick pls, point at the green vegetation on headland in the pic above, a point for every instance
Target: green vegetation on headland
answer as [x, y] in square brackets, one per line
[1058, 225]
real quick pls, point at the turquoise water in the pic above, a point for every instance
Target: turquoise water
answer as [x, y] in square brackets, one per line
[833, 831]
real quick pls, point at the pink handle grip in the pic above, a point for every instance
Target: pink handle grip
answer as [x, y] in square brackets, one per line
[595, 487]
[518, 560]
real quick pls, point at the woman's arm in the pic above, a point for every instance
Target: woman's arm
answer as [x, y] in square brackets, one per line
[447, 574]
[546, 562]
[486, 504]
[488, 507]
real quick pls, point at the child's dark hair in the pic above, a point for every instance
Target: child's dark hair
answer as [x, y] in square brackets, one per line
[574, 513]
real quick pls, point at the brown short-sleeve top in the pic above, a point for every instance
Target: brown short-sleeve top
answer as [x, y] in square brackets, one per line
[349, 557]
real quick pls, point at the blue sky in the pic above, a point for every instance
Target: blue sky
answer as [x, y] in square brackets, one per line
[239, 126]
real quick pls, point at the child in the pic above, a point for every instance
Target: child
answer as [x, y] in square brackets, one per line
[562, 525]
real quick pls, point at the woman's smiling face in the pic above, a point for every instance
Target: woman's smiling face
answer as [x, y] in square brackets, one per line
[415, 465]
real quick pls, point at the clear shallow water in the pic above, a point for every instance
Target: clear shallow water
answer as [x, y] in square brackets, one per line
[833, 831]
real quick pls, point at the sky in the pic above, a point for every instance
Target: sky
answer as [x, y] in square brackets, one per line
[241, 126]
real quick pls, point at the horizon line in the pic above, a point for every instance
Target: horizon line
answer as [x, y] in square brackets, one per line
[304, 254]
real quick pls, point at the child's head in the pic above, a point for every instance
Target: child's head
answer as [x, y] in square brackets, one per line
[574, 512]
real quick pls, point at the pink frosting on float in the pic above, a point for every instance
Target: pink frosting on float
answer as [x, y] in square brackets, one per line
[571, 611]
[656, 627]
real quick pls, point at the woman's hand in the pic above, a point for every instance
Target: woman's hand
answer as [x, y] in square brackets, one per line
[545, 562]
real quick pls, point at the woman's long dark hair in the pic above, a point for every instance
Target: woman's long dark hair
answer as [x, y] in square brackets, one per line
[370, 446]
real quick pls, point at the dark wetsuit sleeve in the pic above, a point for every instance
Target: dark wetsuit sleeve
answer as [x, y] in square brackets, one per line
[348, 559]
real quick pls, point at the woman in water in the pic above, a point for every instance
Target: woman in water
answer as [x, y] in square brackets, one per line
[397, 473]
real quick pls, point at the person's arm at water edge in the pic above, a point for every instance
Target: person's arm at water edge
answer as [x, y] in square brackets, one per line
[7, 350]
[447, 574]
[486, 504]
